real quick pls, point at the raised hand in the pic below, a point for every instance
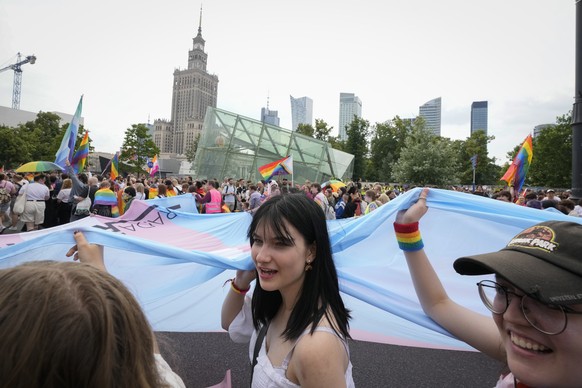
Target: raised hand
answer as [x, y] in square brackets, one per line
[87, 253]
[416, 211]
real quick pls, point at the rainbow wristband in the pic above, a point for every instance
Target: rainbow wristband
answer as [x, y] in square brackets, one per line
[408, 237]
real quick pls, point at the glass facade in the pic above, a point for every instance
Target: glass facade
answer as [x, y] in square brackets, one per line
[301, 111]
[350, 105]
[235, 146]
[479, 116]
[431, 112]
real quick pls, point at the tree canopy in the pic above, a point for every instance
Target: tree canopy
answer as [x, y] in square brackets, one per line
[137, 147]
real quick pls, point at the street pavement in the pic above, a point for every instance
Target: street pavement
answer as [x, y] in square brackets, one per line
[201, 359]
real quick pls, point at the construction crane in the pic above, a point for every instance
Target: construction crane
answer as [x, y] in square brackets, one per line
[18, 77]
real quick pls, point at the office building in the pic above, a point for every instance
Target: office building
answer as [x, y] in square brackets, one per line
[479, 116]
[431, 112]
[269, 116]
[301, 111]
[194, 90]
[539, 129]
[350, 106]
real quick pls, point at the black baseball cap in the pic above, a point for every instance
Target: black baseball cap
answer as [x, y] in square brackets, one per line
[544, 261]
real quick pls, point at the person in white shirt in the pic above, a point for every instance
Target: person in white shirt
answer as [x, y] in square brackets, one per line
[10, 190]
[229, 194]
[36, 195]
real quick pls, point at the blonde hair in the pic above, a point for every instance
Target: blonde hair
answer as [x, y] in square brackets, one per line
[72, 325]
[384, 198]
[67, 184]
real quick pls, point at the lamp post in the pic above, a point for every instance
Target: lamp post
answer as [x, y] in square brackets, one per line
[577, 111]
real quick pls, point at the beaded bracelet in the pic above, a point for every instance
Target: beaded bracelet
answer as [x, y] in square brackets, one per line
[236, 289]
[408, 237]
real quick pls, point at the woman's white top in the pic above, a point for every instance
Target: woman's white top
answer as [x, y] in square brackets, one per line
[265, 374]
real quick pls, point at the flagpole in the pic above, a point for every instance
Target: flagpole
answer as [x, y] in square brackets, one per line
[473, 179]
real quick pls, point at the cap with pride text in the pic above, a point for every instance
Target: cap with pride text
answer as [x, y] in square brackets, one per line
[544, 261]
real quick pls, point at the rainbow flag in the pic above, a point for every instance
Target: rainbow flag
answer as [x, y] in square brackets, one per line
[115, 166]
[80, 157]
[108, 198]
[515, 174]
[153, 192]
[279, 167]
[67, 147]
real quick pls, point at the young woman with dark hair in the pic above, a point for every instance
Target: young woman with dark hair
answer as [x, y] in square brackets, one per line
[296, 304]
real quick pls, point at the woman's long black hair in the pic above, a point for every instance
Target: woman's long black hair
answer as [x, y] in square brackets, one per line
[319, 294]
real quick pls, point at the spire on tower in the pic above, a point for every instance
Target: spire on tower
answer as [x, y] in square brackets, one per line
[267, 101]
[200, 22]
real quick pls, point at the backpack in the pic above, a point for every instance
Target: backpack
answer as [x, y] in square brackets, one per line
[4, 196]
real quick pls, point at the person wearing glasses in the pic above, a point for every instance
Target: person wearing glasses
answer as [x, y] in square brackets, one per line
[535, 299]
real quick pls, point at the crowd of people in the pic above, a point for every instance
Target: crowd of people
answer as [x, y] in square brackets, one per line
[59, 198]
[293, 319]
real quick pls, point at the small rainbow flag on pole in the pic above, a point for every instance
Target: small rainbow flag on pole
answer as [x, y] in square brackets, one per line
[114, 166]
[279, 167]
[80, 157]
[515, 174]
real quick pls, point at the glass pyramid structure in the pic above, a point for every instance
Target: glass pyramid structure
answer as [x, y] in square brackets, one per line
[235, 146]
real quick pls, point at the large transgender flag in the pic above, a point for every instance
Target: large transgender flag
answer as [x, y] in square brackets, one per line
[67, 147]
[176, 261]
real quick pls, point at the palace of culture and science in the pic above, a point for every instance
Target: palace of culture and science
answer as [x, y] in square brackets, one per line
[194, 90]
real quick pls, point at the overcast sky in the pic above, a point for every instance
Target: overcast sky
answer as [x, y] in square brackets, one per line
[394, 55]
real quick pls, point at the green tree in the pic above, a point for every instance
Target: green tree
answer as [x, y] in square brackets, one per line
[385, 146]
[35, 140]
[426, 159]
[336, 143]
[44, 134]
[486, 171]
[322, 131]
[190, 151]
[357, 144]
[552, 155]
[137, 146]
[15, 149]
[305, 129]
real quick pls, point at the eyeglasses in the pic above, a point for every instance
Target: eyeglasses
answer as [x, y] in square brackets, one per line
[546, 318]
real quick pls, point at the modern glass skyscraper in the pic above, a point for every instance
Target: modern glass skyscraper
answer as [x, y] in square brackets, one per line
[540, 128]
[431, 112]
[479, 116]
[301, 111]
[269, 116]
[350, 106]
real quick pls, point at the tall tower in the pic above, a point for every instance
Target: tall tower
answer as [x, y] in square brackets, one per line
[431, 112]
[301, 111]
[194, 90]
[350, 106]
[479, 116]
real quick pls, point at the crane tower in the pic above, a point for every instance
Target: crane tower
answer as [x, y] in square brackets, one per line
[18, 77]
